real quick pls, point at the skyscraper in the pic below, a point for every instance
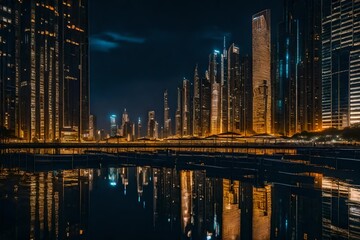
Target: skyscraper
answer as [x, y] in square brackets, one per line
[92, 127]
[340, 63]
[38, 76]
[285, 92]
[205, 103]
[224, 91]
[8, 99]
[215, 78]
[139, 128]
[246, 94]
[197, 104]
[167, 119]
[234, 88]
[261, 31]
[151, 128]
[185, 108]
[113, 126]
[178, 121]
[74, 75]
[49, 54]
[309, 68]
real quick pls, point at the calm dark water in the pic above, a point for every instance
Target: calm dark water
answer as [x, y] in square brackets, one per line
[164, 203]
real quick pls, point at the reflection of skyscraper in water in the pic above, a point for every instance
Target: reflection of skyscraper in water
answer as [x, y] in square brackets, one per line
[168, 201]
[142, 179]
[124, 174]
[297, 214]
[186, 186]
[230, 210]
[113, 176]
[261, 212]
[213, 206]
[54, 205]
[340, 209]
[199, 202]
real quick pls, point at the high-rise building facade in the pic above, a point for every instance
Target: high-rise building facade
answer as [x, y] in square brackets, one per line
[151, 128]
[340, 63]
[205, 103]
[92, 127]
[261, 50]
[286, 82]
[309, 68]
[167, 119]
[113, 126]
[185, 108]
[234, 96]
[215, 81]
[197, 104]
[139, 128]
[39, 70]
[246, 94]
[8, 96]
[74, 76]
[178, 113]
[48, 56]
[224, 91]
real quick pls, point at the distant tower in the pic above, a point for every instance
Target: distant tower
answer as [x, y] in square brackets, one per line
[246, 94]
[215, 75]
[205, 102]
[151, 124]
[167, 120]
[234, 86]
[186, 121]
[113, 126]
[139, 128]
[197, 104]
[92, 127]
[178, 122]
[261, 30]
[224, 90]
[124, 123]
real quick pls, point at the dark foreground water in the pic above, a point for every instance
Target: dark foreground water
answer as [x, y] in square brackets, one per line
[140, 202]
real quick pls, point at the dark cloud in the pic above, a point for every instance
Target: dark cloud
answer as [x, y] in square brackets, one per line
[124, 37]
[104, 42]
[102, 45]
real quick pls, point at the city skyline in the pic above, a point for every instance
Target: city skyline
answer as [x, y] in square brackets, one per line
[45, 78]
[172, 45]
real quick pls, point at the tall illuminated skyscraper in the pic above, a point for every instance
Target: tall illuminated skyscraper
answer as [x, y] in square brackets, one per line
[45, 67]
[151, 128]
[74, 75]
[139, 128]
[51, 69]
[215, 78]
[178, 121]
[185, 108]
[340, 63]
[39, 70]
[167, 119]
[224, 91]
[8, 95]
[261, 31]
[113, 126]
[234, 87]
[246, 94]
[309, 68]
[197, 104]
[205, 102]
[285, 92]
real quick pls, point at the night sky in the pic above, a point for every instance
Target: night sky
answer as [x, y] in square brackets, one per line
[139, 48]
